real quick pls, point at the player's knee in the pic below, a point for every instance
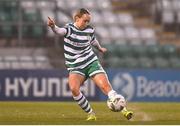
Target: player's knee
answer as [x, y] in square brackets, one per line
[75, 90]
[104, 87]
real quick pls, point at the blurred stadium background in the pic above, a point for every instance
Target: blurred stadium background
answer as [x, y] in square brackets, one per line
[142, 38]
[138, 33]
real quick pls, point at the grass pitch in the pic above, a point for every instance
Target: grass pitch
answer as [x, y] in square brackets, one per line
[69, 113]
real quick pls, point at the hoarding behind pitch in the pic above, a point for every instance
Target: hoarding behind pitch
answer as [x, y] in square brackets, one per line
[147, 84]
[52, 85]
[39, 85]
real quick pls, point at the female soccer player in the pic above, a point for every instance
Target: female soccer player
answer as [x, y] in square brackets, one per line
[81, 61]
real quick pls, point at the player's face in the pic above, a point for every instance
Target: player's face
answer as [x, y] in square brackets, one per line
[84, 21]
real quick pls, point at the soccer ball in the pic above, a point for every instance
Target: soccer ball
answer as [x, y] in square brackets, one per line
[116, 104]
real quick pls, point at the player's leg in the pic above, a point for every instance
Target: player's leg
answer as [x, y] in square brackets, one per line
[75, 81]
[99, 76]
[101, 80]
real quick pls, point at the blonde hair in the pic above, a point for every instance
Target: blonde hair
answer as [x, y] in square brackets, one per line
[79, 13]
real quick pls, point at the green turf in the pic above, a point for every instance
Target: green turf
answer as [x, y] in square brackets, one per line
[70, 113]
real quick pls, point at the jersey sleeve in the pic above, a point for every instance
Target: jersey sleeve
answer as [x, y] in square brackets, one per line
[60, 31]
[68, 30]
[93, 37]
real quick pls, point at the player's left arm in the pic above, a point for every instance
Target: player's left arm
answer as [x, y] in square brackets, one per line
[96, 44]
[56, 29]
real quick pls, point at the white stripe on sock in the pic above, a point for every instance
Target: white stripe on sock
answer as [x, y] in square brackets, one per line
[78, 97]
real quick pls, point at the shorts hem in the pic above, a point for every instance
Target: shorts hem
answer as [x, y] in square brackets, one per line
[78, 72]
[96, 72]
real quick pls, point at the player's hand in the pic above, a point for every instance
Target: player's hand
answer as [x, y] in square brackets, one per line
[50, 22]
[102, 49]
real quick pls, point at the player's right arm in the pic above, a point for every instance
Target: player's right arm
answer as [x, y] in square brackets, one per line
[56, 29]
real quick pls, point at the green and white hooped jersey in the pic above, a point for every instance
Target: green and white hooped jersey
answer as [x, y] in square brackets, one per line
[77, 47]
